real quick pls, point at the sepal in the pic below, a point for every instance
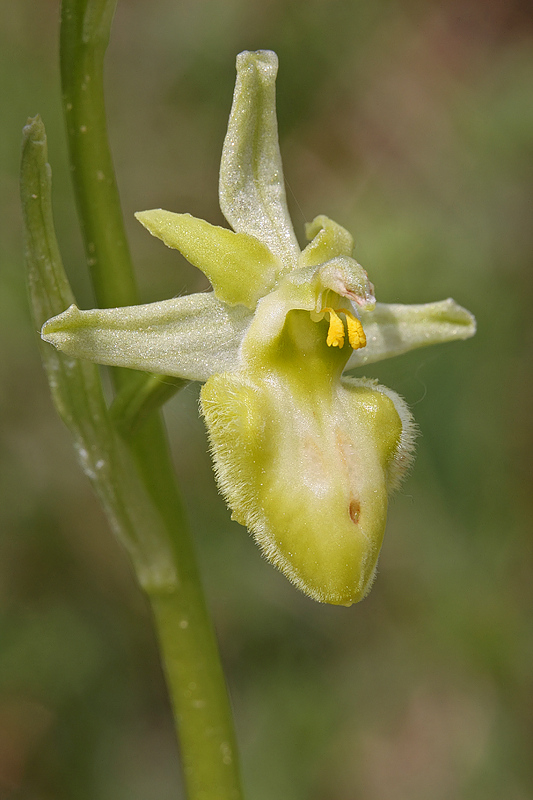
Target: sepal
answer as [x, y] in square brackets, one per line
[393, 329]
[190, 337]
[251, 188]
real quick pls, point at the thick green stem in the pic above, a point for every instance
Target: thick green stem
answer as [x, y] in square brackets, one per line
[188, 644]
[192, 666]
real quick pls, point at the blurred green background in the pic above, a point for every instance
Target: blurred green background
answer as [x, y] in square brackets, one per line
[411, 124]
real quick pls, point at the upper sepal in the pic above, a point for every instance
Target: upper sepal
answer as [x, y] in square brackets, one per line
[251, 188]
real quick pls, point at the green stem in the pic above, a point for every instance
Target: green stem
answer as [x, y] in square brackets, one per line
[85, 27]
[189, 649]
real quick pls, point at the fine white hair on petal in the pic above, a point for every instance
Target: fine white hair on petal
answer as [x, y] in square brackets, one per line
[405, 450]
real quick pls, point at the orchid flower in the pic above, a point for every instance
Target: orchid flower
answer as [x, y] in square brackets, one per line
[304, 456]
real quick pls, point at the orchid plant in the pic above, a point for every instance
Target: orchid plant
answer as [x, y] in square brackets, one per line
[305, 454]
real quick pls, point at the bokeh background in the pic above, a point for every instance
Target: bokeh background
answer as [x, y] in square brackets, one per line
[411, 124]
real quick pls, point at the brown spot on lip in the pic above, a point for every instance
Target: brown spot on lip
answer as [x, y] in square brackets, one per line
[355, 510]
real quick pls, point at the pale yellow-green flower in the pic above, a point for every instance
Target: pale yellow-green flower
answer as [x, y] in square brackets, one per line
[304, 456]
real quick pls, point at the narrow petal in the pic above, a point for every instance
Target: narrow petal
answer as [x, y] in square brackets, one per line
[241, 269]
[393, 329]
[190, 337]
[252, 189]
[327, 239]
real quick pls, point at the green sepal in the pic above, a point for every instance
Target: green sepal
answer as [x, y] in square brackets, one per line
[188, 337]
[241, 269]
[251, 188]
[392, 329]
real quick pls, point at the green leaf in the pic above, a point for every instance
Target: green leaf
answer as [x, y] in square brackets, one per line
[76, 387]
[49, 288]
